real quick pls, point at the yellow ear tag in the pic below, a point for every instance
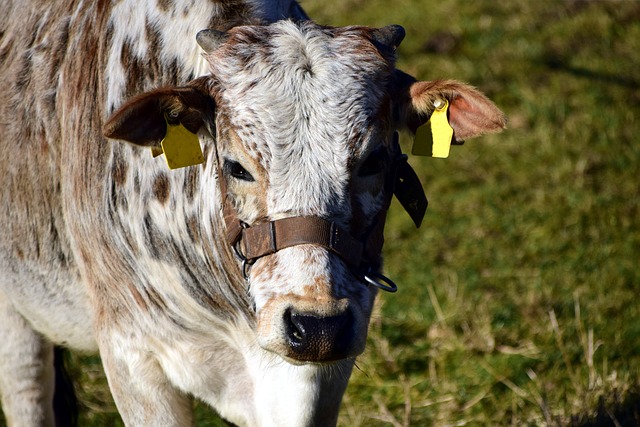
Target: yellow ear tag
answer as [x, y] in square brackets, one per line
[181, 147]
[434, 137]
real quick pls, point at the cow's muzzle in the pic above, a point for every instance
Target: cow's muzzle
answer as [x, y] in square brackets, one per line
[318, 339]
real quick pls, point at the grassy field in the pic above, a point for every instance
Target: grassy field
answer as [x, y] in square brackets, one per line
[518, 300]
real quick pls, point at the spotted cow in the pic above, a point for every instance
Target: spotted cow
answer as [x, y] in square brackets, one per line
[244, 279]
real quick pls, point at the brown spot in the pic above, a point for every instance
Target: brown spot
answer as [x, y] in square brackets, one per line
[119, 168]
[191, 184]
[320, 291]
[86, 257]
[265, 268]
[193, 229]
[143, 72]
[153, 37]
[155, 298]
[138, 298]
[134, 69]
[164, 5]
[161, 188]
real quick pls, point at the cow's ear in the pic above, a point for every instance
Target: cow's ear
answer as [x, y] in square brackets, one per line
[470, 112]
[143, 119]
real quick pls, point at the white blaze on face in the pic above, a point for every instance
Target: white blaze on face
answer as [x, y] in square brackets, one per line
[301, 108]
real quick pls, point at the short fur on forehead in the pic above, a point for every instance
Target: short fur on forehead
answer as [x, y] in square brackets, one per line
[313, 96]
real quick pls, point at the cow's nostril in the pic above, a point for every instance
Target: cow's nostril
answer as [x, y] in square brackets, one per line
[295, 328]
[314, 338]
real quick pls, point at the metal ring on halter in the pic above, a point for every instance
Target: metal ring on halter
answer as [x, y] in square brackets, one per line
[246, 262]
[380, 281]
[239, 253]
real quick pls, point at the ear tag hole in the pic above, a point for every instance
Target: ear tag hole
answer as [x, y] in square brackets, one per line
[180, 146]
[434, 137]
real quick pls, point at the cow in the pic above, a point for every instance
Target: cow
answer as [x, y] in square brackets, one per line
[242, 272]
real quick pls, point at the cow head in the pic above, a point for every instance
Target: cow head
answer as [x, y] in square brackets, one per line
[304, 120]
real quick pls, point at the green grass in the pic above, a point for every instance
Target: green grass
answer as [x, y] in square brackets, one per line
[517, 301]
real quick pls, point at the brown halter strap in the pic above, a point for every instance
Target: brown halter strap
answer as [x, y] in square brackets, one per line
[269, 237]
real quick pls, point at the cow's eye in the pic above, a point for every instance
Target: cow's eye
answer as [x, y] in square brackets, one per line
[374, 164]
[235, 169]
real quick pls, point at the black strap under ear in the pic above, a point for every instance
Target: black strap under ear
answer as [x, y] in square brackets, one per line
[408, 190]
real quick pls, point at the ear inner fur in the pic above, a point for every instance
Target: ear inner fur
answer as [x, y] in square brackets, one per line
[470, 113]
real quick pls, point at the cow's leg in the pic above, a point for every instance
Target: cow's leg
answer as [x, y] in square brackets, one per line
[143, 394]
[26, 370]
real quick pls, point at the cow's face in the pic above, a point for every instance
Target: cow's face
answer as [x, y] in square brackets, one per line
[304, 119]
[304, 128]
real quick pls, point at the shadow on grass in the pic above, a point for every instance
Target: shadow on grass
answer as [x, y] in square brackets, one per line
[614, 410]
[556, 63]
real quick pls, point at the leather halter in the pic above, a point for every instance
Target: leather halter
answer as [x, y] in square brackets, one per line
[251, 242]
